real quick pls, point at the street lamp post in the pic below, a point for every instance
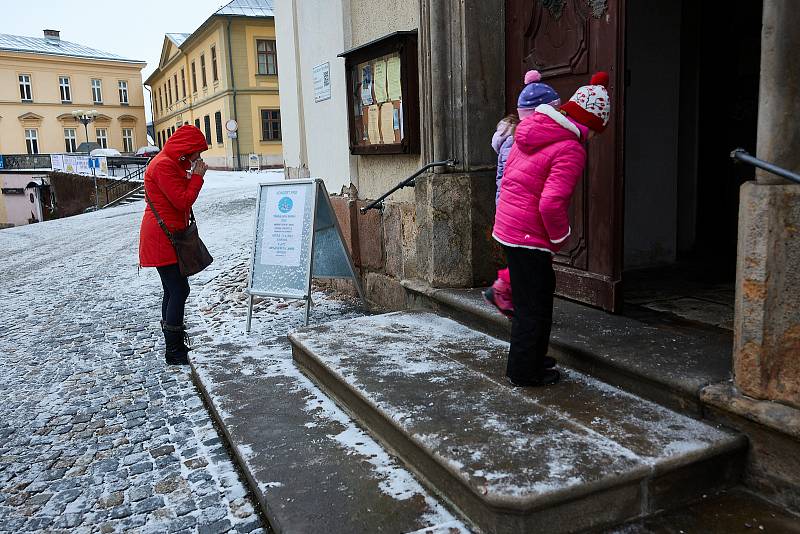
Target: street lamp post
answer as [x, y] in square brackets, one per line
[85, 117]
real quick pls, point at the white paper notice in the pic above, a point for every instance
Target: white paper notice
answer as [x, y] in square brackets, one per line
[282, 239]
[57, 162]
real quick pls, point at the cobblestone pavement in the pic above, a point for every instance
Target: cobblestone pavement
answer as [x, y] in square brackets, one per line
[96, 433]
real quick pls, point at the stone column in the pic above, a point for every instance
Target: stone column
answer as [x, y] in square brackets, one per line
[767, 324]
[462, 88]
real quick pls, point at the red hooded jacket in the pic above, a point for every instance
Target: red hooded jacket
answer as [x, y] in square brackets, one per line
[172, 194]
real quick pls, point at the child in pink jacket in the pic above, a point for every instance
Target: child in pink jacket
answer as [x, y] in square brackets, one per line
[534, 94]
[532, 220]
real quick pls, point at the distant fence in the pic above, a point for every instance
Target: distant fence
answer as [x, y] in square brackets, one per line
[112, 166]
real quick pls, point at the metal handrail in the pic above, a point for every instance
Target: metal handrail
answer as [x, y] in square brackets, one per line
[742, 155]
[125, 180]
[408, 182]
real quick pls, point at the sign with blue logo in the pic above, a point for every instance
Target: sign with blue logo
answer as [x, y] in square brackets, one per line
[285, 205]
[283, 230]
[297, 237]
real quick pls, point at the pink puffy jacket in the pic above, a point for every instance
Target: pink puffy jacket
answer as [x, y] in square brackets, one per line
[542, 170]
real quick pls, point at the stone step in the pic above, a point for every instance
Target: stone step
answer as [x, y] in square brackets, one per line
[309, 467]
[664, 362]
[577, 455]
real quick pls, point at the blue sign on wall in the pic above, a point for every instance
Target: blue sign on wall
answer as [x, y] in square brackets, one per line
[1, 162]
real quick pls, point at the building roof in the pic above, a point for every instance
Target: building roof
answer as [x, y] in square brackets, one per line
[53, 47]
[178, 38]
[247, 8]
[235, 8]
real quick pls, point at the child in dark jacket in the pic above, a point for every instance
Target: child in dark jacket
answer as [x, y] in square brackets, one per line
[532, 219]
[533, 94]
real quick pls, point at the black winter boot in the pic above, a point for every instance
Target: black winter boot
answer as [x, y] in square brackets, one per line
[186, 344]
[175, 353]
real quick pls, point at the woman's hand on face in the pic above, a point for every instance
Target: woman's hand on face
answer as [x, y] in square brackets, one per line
[200, 167]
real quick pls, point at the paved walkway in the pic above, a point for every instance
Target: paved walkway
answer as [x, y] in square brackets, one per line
[96, 433]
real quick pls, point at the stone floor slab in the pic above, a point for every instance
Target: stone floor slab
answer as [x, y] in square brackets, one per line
[509, 459]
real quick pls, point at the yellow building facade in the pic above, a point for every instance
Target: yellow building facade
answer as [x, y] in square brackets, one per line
[43, 80]
[227, 70]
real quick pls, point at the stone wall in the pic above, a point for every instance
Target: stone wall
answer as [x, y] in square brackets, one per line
[382, 245]
[74, 193]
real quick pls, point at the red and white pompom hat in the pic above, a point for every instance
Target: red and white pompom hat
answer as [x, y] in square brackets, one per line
[590, 105]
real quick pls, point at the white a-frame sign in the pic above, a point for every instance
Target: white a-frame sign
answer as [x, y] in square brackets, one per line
[296, 237]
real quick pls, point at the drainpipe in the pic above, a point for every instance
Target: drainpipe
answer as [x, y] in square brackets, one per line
[152, 114]
[233, 88]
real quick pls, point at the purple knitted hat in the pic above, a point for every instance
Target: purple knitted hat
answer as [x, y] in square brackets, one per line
[535, 94]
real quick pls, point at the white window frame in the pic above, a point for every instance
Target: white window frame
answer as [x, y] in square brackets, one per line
[32, 140]
[65, 89]
[123, 92]
[25, 88]
[71, 139]
[97, 91]
[101, 138]
[127, 140]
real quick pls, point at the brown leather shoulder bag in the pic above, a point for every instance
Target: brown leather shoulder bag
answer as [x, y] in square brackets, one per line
[193, 256]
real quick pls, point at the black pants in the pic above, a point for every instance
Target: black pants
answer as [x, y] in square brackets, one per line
[176, 291]
[533, 282]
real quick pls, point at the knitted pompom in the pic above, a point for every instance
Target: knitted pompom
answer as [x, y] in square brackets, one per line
[600, 78]
[532, 76]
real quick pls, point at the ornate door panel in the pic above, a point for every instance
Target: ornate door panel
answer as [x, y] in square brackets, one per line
[567, 41]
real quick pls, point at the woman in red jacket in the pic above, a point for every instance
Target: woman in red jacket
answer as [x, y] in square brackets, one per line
[172, 182]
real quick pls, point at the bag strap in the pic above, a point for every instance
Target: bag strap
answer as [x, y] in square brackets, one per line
[160, 221]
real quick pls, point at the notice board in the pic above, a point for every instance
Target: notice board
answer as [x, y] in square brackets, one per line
[296, 238]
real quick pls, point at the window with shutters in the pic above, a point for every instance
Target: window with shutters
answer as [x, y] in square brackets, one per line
[203, 70]
[214, 74]
[207, 124]
[218, 124]
[194, 78]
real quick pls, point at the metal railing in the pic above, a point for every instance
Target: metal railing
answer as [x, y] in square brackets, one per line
[408, 182]
[26, 162]
[742, 155]
[122, 187]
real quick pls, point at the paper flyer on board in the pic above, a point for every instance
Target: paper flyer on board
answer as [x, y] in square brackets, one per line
[387, 123]
[393, 78]
[366, 85]
[380, 82]
[374, 126]
[57, 162]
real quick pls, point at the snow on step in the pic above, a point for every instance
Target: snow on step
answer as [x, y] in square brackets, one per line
[510, 458]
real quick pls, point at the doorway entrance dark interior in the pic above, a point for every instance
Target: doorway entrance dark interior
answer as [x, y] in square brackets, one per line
[692, 74]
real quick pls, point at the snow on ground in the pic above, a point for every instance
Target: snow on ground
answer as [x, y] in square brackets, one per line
[96, 433]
